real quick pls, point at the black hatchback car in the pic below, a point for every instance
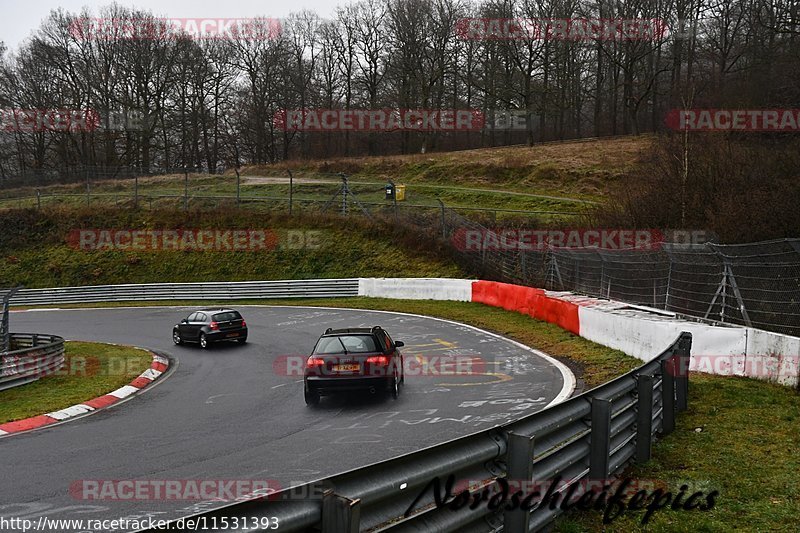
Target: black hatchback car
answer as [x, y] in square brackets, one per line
[356, 358]
[211, 325]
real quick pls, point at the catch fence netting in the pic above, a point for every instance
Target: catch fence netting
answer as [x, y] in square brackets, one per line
[755, 284]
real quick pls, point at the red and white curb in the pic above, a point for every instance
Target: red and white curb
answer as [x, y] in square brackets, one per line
[156, 370]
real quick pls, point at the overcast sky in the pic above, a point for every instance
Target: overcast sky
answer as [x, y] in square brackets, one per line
[21, 17]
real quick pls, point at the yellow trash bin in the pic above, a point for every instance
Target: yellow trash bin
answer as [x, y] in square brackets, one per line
[400, 192]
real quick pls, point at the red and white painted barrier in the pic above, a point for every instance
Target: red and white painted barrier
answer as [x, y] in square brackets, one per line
[157, 368]
[638, 331]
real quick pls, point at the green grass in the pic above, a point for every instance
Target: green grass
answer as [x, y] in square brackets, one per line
[35, 252]
[747, 449]
[307, 196]
[90, 370]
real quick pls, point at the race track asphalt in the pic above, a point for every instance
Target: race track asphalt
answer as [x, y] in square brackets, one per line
[229, 413]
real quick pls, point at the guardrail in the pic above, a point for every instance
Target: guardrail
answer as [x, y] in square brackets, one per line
[234, 290]
[30, 357]
[593, 436]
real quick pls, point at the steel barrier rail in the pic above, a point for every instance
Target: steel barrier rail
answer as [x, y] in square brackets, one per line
[235, 290]
[591, 437]
[32, 355]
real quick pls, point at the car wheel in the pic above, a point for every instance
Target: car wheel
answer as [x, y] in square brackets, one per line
[311, 397]
[203, 341]
[241, 341]
[176, 337]
[395, 387]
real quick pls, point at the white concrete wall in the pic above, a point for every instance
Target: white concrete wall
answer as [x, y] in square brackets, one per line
[416, 288]
[645, 335]
[773, 357]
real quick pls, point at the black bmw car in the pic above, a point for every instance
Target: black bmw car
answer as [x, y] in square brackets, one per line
[211, 325]
[355, 358]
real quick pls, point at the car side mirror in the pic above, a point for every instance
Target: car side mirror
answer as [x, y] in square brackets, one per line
[399, 344]
[184, 321]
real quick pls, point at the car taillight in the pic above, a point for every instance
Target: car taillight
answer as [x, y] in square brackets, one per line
[214, 326]
[244, 324]
[314, 362]
[378, 360]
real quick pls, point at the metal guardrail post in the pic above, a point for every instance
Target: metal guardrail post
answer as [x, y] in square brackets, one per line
[644, 417]
[683, 355]
[600, 439]
[5, 331]
[340, 514]
[519, 461]
[667, 396]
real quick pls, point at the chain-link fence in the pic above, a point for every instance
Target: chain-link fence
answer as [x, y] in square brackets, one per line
[754, 285]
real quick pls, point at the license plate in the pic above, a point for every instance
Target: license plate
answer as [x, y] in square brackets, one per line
[346, 368]
[232, 335]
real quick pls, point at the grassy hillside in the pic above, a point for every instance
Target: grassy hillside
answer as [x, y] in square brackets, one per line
[561, 179]
[35, 252]
[576, 169]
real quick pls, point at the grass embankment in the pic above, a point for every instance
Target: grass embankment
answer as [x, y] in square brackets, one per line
[739, 437]
[35, 249]
[90, 370]
[581, 170]
[553, 178]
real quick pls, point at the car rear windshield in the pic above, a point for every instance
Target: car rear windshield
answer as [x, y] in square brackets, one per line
[228, 315]
[349, 343]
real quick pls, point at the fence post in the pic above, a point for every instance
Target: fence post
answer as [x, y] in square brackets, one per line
[644, 417]
[88, 187]
[291, 190]
[669, 283]
[238, 188]
[667, 396]
[600, 439]
[444, 223]
[519, 469]
[38, 199]
[185, 189]
[340, 514]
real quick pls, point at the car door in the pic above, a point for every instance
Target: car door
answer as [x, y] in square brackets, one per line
[390, 349]
[197, 324]
[398, 357]
[185, 327]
